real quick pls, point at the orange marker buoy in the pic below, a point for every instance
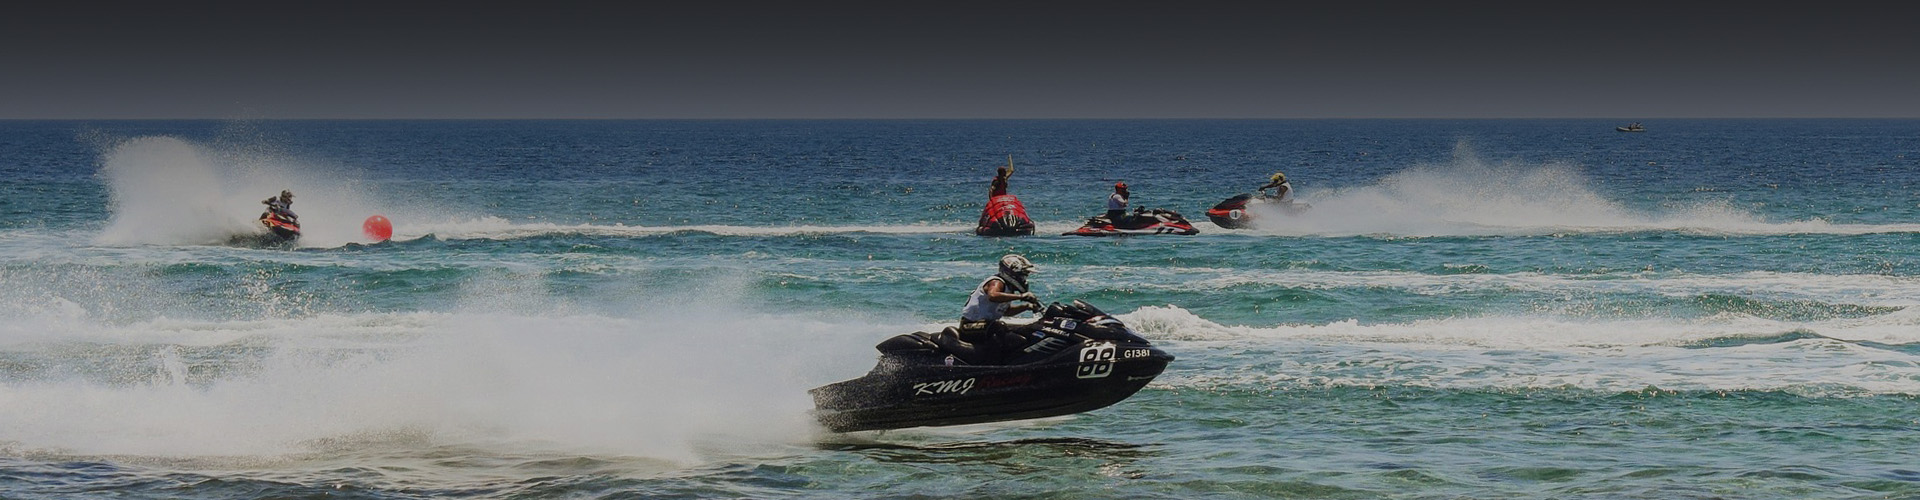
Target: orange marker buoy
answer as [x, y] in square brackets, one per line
[378, 228]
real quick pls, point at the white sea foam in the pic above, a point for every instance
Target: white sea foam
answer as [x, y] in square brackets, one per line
[1470, 196]
[170, 191]
[652, 384]
[497, 228]
[500, 228]
[1722, 353]
[1526, 332]
[516, 367]
[1855, 289]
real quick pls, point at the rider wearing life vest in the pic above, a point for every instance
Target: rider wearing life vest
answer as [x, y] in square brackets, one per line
[1117, 203]
[980, 320]
[1283, 191]
[280, 207]
[282, 204]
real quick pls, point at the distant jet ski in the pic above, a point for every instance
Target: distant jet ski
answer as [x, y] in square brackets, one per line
[1004, 216]
[1075, 358]
[1240, 211]
[1141, 222]
[281, 229]
[282, 224]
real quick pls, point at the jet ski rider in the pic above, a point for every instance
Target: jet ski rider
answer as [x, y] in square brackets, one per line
[1283, 190]
[1117, 203]
[281, 205]
[1000, 181]
[980, 320]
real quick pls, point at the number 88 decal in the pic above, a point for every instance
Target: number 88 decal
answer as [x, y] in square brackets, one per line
[1096, 361]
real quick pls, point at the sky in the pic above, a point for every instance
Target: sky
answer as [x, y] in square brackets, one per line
[955, 59]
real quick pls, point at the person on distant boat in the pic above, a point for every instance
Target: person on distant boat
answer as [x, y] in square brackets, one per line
[1283, 190]
[980, 320]
[1000, 181]
[1117, 203]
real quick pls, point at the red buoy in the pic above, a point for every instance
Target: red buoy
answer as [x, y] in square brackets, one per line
[378, 228]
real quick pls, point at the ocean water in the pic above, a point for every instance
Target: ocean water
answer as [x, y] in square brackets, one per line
[635, 309]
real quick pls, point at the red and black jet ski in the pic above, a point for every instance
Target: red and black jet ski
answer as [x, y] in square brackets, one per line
[281, 224]
[1142, 221]
[1241, 211]
[1004, 216]
[1075, 358]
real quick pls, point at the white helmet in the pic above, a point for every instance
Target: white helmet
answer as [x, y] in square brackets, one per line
[1016, 265]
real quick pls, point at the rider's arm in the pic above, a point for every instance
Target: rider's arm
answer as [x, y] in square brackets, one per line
[996, 293]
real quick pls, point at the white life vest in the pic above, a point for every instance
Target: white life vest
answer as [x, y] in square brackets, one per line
[980, 308]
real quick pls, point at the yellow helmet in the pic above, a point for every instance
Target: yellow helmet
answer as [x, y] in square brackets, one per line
[1279, 177]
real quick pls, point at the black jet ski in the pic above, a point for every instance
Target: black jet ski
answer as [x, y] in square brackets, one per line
[1140, 222]
[1004, 215]
[1073, 359]
[1241, 211]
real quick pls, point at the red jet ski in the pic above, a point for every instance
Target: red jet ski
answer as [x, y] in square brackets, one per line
[283, 224]
[1239, 212]
[1004, 216]
[1141, 222]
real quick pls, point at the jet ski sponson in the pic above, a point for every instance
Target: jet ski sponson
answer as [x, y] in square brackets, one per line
[1004, 215]
[1075, 358]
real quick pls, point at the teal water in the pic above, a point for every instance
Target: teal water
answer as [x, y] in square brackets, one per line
[1479, 308]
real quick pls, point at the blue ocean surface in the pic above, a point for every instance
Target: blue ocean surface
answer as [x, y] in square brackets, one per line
[636, 309]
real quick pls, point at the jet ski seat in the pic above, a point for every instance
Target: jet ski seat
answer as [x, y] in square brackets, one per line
[916, 341]
[948, 342]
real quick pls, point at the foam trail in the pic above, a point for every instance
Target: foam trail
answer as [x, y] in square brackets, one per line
[1842, 357]
[1858, 289]
[1471, 197]
[496, 228]
[577, 384]
[516, 372]
[1534, 332]
[168, 191]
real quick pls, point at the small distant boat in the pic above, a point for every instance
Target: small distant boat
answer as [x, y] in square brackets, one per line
[1632, 127]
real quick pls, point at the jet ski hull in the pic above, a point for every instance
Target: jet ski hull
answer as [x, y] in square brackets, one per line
[1243, 211]
[1004, 215]
[1148, 222]
[960, 395]
[281, 230]
[285, 233]
[1066, 367]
